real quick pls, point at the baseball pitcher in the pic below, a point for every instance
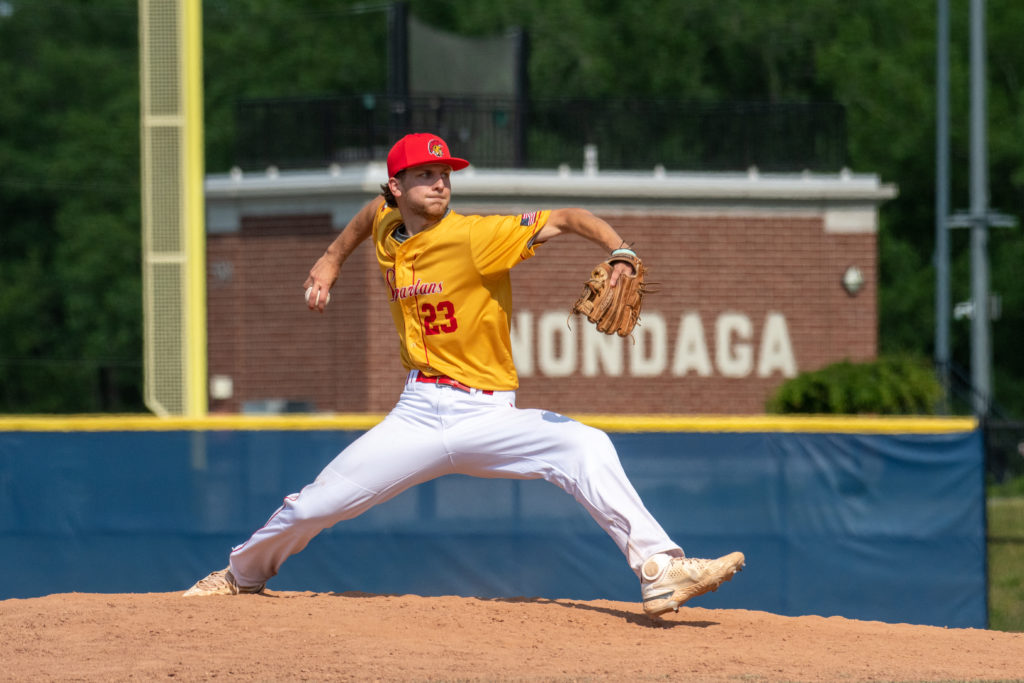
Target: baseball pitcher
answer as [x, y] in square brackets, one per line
[446, 279]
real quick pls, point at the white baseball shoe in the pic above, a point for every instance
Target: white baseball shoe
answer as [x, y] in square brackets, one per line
[667, 585]
[221, 583]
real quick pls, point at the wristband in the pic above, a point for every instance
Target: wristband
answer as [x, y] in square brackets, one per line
[617, 252]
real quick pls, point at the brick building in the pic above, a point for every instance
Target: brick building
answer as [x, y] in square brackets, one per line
[759, 277]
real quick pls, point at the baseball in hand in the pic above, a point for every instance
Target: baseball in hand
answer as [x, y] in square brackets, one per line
[309, 293]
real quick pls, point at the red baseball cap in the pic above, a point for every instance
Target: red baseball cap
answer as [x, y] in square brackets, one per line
[416, 149]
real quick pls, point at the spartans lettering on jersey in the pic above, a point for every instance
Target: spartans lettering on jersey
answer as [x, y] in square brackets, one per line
[418, 288]
[547, 346]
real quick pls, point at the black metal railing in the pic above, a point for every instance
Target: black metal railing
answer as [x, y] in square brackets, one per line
[1004, 449]
[496, 132]
[1003, 434]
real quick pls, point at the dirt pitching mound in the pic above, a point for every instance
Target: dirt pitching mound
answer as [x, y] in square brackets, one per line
[354, 636]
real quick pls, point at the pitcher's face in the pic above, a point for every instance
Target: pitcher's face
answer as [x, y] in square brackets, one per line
[423, 191]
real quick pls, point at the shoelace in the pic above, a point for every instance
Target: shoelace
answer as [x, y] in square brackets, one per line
[214, 580]
[697, 562]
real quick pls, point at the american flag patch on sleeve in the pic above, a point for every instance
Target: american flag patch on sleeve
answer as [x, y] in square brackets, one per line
[528, 219]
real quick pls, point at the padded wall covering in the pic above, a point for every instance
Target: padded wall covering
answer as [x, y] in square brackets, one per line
[887, 527]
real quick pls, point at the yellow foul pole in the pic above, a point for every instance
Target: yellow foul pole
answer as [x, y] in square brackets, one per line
[195, 225]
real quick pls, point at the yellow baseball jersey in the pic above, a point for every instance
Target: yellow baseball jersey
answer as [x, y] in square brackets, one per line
[450, 293]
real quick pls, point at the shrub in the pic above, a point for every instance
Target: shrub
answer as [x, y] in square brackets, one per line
[891, 385]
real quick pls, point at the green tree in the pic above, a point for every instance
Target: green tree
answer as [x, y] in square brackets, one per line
[269, 48]
[69, 239]
[881, 66]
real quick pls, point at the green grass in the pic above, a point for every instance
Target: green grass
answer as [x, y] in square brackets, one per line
[1006, 556]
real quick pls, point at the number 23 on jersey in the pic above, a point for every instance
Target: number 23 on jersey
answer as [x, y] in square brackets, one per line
[439, 318]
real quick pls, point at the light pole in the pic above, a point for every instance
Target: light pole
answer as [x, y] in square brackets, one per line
[942, 285]
[981, 344]
[979, 218]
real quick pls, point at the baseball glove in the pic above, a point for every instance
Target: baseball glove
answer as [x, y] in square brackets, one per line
[615, 310]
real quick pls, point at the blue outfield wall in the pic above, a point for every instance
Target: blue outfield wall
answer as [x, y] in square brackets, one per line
[880, 520]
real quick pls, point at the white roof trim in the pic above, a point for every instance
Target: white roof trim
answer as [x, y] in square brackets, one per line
[598, 185]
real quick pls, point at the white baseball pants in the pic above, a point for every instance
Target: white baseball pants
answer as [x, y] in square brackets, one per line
[436, 430]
